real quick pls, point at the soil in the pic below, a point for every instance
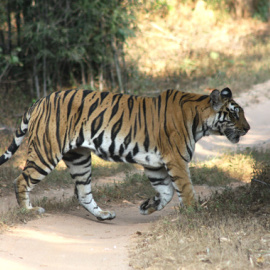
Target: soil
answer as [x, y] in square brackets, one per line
[77, 240]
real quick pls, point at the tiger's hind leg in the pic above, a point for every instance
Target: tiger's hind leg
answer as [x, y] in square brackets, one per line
[161, 182]
[78, 162]
[32, 174]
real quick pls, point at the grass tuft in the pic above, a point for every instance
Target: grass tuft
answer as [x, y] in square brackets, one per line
[134, 187]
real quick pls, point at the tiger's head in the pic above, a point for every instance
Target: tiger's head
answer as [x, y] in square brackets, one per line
[230, 119]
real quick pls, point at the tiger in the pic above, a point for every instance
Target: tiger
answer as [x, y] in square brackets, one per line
[159, 133]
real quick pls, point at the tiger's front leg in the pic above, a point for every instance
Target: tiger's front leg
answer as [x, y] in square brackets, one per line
[161, 182]
[179, 172]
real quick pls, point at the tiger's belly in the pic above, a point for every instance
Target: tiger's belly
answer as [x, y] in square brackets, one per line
[118, 151]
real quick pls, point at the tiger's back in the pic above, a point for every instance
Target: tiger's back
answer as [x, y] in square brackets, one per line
[116, 127]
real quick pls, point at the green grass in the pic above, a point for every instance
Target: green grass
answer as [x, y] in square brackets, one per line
[134, 187]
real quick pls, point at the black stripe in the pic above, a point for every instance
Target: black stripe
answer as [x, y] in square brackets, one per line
[83, 162]
[114, 110]
[74, 175]
[165, 119]
[98, 141]
[130, 105]
[154, 169]
[58, 125]
[87, 182]
[93, 107]
[80, 110]
[115, 96]
[157, 181]
[80, 138]
[111, 148]
[139, 116]
[159, 106]
[25, 119]
[66, 93]
[70, 104]
[13, 147]
[168, 94]
[33, 165]
[117, 127]
[129, 158]
[135, 150]
[127, 139]
[116, 158]
[202, 98]
[195, 124]
[146, 140]
[3, 159]
[26, 178]
[40, 156]
[181, 154]
[135, 128]
[182, 99]
[19, 133]
[86, 93]
[71, 156]
[97, 123]
[34, 181]
[103, 95]
[175, 94]
[121, 150]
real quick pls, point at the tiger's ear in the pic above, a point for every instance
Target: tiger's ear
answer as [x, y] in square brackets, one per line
[226, 93]
[218, 99]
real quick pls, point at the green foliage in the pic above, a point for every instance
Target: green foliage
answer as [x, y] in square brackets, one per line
[66, 41]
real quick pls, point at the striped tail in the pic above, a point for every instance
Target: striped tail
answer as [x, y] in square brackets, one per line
[17, 140]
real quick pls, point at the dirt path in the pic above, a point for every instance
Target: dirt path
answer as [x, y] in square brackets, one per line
[78, 241]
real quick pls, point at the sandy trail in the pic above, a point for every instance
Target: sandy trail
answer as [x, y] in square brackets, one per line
[78, 241]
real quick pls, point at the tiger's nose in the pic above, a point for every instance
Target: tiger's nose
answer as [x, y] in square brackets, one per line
[246, 128]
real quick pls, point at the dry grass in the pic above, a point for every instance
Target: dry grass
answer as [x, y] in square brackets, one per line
[194, 48]
[220, 171]
[229, 231]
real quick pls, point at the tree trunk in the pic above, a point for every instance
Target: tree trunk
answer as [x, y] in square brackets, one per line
[83, 74]
[100, 78]
[117, 66]
[18, 24]
[124, 69]
[35, 75]
[44, 76]
[2, 42]
[9, 47]
[243, 8]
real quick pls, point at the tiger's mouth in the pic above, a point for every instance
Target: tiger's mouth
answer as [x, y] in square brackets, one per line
[232, 135]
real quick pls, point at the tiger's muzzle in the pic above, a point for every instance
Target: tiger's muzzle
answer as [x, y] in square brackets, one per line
[234, 135]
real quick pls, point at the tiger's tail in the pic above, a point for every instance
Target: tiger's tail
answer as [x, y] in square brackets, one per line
[18, 138]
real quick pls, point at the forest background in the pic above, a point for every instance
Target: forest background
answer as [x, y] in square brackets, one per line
[56, 44]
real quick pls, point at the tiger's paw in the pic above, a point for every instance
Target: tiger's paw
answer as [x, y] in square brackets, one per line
[106, 215]
[38, 210]
[34, 210]
[149, 206]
